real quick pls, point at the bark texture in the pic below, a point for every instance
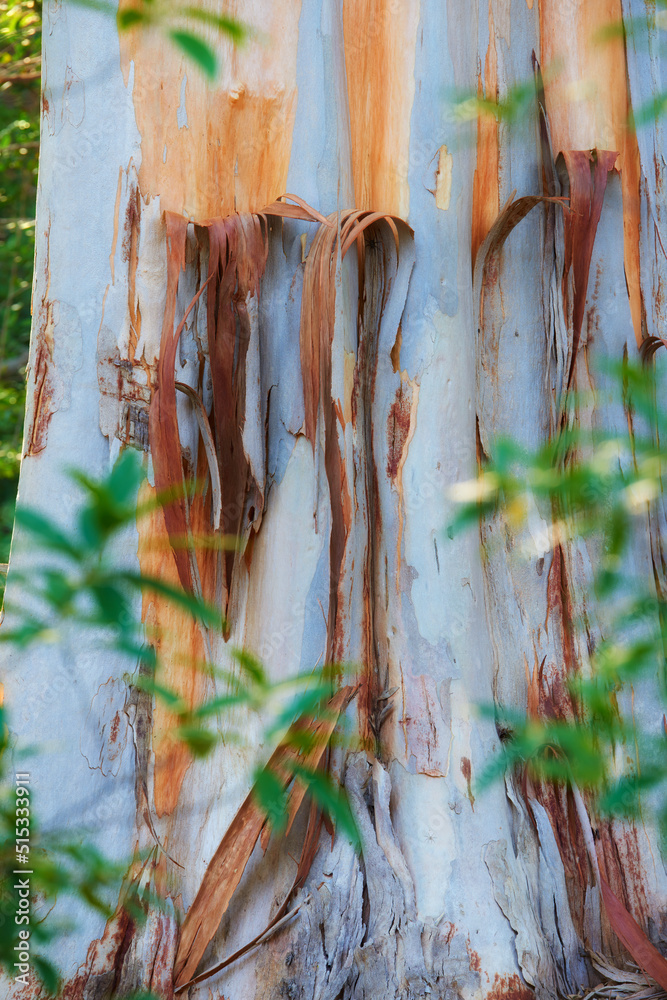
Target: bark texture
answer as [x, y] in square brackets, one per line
[347, 386]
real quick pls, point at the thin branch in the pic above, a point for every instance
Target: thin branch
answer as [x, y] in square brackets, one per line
[21, 78]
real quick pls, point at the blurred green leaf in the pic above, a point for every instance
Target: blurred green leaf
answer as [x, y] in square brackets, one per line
[50, 536]
[196, 49]
[269, 792]
[200, 741]
[237, 31]
[130, 17]
[330, 797]
[47, 973]
[149, 584]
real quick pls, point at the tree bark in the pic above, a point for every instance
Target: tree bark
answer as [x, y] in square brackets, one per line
[344, 102]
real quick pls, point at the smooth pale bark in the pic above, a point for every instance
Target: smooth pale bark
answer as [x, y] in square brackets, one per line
[344, 103]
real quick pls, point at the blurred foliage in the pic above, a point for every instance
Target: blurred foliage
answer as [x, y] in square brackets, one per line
[20, 60]
[175, 21]
[56, 863]
[646, 33]
[74, 590]
[599, 487]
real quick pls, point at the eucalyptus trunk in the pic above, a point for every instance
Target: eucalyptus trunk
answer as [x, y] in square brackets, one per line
[353, 401]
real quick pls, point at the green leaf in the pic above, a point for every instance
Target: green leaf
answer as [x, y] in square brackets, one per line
[331, 797]
[269, 792]
[51, 537]
[217, 705]
[112, 603]
[198, 609]
[196, 49]
[251, 665]
[237, 31]
[128, 472]
[130, 18]
[309, 703]
[47, 973]
[200, 741]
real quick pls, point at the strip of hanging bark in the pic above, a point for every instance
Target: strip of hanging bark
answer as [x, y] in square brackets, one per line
[209, 448]
[628, 931]
[549, 174]
[230, 859]
[649, 347]
[632, 937]
[489, 314]
[276, 924]
[308, 851]
[318, 309]
[163, 422]
[488, 255]
[237, 252]
[587, 172]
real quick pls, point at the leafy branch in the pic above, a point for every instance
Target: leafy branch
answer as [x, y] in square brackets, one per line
[597, 487]
[76, 584]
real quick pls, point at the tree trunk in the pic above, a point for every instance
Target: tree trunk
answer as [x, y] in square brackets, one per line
[340, 490]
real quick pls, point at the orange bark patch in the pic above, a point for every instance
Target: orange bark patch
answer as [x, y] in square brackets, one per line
[509, 988]
[475, 961]
[485, 191]
[629, 166]
[180, 649]
[584, 73]
[588, 106]
[208, 150]
[41, 386]
[380, 45]
[398, 427]
[41, 375]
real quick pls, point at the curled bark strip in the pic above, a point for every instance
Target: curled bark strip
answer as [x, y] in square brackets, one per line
[231, 858]
[300, 210]
[485, 283]
[163, 421]
[486, 264]
[550, 182]
[237, 254]
[626, 928]
[587, 171]
[209, 448]
[632, 937]
[318, 316]
[274, 926]
[650, 346]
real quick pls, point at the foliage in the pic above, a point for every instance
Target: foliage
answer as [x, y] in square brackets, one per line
[176, 23]
[645, 33]
[56, 864]
[20, 44]
[74, 586]
[594, 486]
